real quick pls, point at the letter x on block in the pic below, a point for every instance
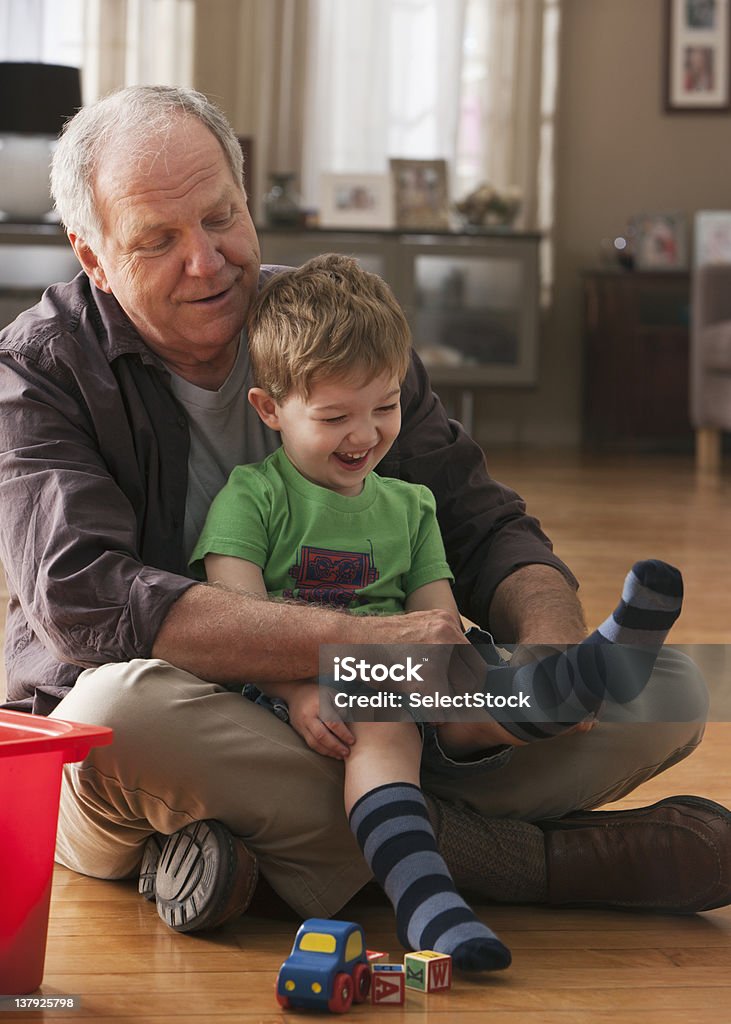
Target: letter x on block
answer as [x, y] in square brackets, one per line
[427, 971]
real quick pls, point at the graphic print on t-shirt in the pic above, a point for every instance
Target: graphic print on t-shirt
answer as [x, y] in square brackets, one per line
[331, 577]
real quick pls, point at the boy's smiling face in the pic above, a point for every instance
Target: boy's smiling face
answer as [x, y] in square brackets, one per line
[337, 435]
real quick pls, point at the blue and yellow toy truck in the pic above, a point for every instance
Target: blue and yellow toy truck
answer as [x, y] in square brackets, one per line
[327, 968]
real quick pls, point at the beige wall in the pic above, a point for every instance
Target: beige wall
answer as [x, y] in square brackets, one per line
[618, 154]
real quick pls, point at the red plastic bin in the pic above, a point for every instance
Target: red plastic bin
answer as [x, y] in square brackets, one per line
[33, 751]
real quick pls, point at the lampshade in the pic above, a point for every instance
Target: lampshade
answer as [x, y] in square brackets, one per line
[35, 101]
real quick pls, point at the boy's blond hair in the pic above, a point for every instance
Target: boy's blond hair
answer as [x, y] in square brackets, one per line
[327, 318]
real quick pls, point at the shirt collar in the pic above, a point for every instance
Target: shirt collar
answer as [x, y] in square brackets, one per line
[120, 337]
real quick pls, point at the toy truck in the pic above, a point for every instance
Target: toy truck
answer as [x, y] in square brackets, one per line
[327, 968]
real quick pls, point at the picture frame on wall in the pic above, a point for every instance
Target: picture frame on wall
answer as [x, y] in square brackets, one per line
[356, 201]
[712, 237]
[660, 241]
[421, 197]
[697, 61]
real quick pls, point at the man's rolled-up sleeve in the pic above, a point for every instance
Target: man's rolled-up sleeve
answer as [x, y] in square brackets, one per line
[69, 534]
[486, 530]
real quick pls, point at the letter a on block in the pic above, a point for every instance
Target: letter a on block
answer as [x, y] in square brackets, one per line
[388, 983]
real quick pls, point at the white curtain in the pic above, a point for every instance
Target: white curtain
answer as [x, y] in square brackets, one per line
[471, 81]
[41, 31]
[115, 42]
[136, 42]
[384, 81]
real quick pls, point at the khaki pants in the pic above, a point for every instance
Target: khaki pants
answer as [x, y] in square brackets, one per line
[185, 749]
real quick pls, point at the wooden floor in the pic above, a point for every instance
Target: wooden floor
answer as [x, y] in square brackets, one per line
[107, 946]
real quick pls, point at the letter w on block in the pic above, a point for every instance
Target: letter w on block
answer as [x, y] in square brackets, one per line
[428, 971]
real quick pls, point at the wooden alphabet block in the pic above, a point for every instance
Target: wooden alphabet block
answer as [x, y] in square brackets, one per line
[387, 984]
[427, 971]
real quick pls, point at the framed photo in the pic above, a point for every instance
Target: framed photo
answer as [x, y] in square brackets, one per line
[356, 201]
[697, 69]
[712, 237]
[421, 199]
[660, 241]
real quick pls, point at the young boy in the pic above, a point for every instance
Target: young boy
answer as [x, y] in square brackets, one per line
[329, 349]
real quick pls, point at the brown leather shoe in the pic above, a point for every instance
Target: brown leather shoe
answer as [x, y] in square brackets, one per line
[200, 877]
[673, 857]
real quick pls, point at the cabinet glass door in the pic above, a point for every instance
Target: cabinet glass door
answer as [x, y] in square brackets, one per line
[469, 318]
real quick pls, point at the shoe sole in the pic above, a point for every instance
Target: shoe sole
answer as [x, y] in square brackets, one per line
[148, 868]
[193, 875]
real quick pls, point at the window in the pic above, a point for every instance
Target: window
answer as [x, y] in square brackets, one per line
[114, 42]
[42, 31]
[354, 947]
[384, 80]
[317, 942]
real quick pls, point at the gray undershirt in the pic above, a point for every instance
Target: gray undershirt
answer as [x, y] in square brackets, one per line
[225, 431]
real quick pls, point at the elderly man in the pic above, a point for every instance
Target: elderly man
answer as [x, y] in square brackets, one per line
[123, 413]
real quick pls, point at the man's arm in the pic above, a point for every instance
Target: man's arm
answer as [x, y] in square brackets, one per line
[225, 636]
[536, 605]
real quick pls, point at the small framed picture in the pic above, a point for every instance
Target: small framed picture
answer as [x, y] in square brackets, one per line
[660, 241]
[712, 242]
[356, 201]
[697, 68]
[421, 198]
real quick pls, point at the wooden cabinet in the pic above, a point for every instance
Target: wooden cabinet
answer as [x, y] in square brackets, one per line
[636, 340]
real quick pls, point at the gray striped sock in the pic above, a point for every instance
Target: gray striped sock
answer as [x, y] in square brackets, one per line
[391, 824]
[615, 661]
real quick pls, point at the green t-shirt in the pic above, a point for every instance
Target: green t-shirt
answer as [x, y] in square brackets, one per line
[365, 553]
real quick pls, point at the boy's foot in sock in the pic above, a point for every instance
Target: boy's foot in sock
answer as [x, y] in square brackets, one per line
[615, 661]
[391, 824]
[651, 600]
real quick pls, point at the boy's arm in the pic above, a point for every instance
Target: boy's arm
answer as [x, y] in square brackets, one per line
[429, 562]
[431, 596]
[235, 574]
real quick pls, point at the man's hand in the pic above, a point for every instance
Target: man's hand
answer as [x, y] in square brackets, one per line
[435, 626]
[323, 732]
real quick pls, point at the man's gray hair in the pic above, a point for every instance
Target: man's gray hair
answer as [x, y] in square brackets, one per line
[140, 115]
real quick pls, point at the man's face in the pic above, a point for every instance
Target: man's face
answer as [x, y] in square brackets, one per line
[179, 251]
[337, 435]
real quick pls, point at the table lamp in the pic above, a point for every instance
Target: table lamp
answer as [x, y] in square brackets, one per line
[35, 100]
